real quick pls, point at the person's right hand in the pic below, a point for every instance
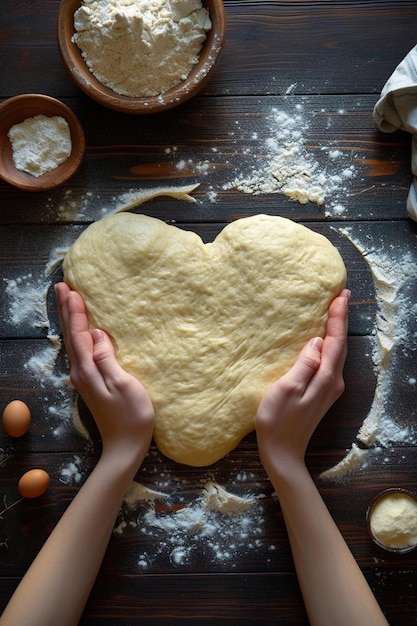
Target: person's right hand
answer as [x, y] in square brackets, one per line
[118, 402]
[293, 406]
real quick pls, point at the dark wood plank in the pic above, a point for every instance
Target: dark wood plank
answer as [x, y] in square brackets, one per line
[213, 141]
[183, 487]
[252, 599]
[270, 47]
[257, 599]
[125, 589]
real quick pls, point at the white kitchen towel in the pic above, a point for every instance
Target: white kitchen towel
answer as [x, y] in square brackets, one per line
[397, 109]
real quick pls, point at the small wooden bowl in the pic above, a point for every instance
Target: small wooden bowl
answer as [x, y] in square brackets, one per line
[14, 111]
[198, 77]
[380, 496]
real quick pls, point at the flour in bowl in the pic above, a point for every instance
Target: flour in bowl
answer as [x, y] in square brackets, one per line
[141, 48]
[40, 144]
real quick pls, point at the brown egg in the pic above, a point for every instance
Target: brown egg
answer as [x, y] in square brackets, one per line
[34, 483]
[16, 418]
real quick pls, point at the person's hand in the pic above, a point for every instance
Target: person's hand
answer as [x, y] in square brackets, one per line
[293, 406]
[287, 417]
[118, 402]
[55, 588]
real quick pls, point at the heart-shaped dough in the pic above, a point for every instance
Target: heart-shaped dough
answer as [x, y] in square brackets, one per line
[205, 327]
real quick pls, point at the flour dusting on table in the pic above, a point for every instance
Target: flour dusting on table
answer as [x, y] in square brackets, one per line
[288, 167]
[26, 295]
[89, 206]
[216, 525]
[395, 274]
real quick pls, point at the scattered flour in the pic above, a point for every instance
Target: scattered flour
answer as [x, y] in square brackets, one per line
[391, 276]
[27, 300]
[217, 525]
[291, 89]
[71, 473]
[138, 493]
[133, 199]
[394, 273]
[215, 498]
[27, 307]
[40, 144]
[71, 207]
[141, 48]
[42, 365]
[74, 207]
[354, 460]
[287, 168]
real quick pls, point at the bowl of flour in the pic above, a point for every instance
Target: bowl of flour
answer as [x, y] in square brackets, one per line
[41, 142]
[141, 56]
[392, 520]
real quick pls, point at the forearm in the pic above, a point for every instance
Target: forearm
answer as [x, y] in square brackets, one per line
[57, 585]
[333, 587]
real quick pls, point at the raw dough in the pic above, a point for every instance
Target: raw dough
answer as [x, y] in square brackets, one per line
[205, 327]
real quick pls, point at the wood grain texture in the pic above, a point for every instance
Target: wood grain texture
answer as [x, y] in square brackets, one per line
[327, 61]
[213, 141]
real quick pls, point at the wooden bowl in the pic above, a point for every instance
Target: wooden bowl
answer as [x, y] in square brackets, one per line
[392, 491]
[14, 111]
[198, 77]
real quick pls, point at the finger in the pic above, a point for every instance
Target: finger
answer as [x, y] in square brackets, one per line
[79, 336]
[306, 365]
[295, 383]
[335, 342]
[62, 290]
[104, 356]
[337, 317]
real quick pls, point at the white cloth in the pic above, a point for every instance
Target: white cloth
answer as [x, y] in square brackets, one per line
[397, 109]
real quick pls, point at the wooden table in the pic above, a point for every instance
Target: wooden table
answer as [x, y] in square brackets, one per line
[328, 62]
